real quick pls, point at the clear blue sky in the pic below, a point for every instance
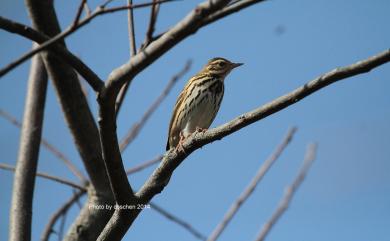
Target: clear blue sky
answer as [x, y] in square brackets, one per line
[346, 195]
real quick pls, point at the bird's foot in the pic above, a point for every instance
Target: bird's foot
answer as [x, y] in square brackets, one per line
[179, 146]
[202, 130]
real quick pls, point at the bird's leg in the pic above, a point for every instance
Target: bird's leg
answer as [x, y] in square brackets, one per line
[199, 129]
[179, 146]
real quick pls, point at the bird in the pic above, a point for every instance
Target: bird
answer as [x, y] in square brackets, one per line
[199, 101]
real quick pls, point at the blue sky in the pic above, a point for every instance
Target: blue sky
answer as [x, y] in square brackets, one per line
[346, 195]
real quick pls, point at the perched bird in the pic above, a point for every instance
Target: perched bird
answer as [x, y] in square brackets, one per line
[199, 101]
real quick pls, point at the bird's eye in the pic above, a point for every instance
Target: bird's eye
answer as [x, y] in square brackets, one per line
[221, 64]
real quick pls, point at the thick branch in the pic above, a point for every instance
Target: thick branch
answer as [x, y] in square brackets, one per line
[26, 165]
[251, 186]
[204, 14]
[157, 181]
[189, 25]
[289, 193]
[81, 123]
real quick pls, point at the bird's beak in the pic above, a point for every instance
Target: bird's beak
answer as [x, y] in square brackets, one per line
[235, 65]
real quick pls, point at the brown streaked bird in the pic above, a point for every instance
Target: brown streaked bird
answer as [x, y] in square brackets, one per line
[199, 101]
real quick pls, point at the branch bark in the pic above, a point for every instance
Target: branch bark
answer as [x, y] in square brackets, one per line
[81, 123]
[26, 165]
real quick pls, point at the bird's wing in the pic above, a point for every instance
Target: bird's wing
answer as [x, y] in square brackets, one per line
[171, 131]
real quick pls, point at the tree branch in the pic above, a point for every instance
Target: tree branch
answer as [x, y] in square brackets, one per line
[56, 215]
[229, 9]
[133, 51]
[131, 29]
[144, 165]
[60, 36]
[157, 181]
[135, 129]
[81, 123]
[187, 26]
[49, 147]
[251, 186]
[152, 23]
[5, 166]
[178, 221]
[289, 193]
[30, 33]
[79, 12]
[26, 165]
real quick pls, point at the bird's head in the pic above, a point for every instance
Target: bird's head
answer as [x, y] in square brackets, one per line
[220, 66]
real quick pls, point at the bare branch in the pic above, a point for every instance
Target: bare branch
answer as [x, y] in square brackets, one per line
[135, 129]
[80, 122]
[229, 9]
[48, 146]
[27, 32]
[251, 186]
[60, 212]
[87, 9]
[152, 22]
[26, 165]
[184, 28]
[289, 193]
[187, 226]
[78, 14]
[130, 19]
[157, 181]
[5, 166]
[133, 51]
[144, 165]
[59, 37]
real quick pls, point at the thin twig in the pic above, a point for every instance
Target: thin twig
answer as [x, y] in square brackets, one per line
[178, 221]
[62, 226]
[49, 228]
[133, 52]
[144, 165]
[152, 23]
[251, 186]
[99, 11]
[229, 9]
[134, 130]
[289, 193]
[48, 146]
[131, 29]
[78, 14]
[5, 166]
[23, 30]
[87, 9]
